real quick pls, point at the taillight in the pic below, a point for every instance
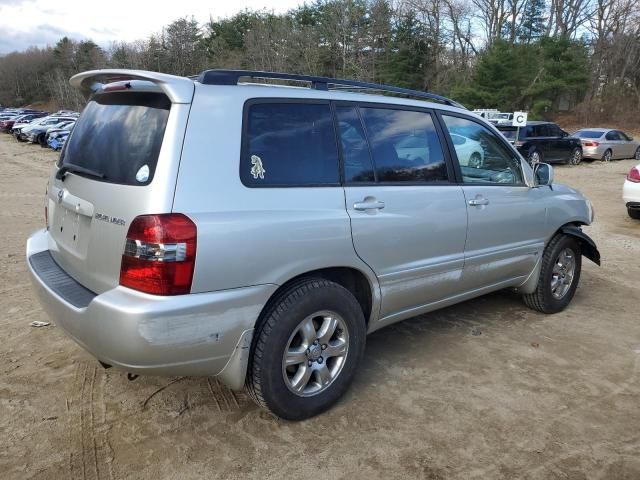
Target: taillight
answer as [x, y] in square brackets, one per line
[590, 144]
[634, 175]
[160, 254]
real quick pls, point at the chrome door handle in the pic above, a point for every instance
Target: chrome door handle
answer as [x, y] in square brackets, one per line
[477, 202]
[368, 205]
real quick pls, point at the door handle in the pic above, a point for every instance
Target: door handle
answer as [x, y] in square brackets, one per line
[479, 201]
[368, 204]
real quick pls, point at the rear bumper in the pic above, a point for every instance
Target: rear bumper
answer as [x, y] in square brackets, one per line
[631, 192]
[593, 152]
[196, 334]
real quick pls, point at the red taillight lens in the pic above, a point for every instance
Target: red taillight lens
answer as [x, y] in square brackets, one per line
[160, 254]
[634, 175]
[591, 144]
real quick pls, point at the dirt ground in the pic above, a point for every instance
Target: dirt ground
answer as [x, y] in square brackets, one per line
[486, 389]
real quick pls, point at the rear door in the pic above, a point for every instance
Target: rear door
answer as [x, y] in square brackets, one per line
[506, 218]
[408, 220]
[120, 162]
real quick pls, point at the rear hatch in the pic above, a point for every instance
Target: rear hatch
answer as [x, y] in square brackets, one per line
[120, 161]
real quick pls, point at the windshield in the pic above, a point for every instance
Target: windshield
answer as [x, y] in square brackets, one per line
[587, 134]
[119, 135]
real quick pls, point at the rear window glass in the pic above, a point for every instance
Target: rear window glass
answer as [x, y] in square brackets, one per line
[289, 144]
[509, 133]
[587, 134]
[119, 135]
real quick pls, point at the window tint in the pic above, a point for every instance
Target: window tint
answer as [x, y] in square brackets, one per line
[289, 144]
[612, 135]
[404, 145]
[118, 135]
[355, 149]
[623, 136]
[554, 130]
[483, 158]
[587, 134]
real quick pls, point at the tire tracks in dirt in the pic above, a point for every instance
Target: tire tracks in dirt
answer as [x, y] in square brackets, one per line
[91, 457]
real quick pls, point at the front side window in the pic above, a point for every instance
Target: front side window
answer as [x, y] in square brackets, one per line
[404, 145]
[289, 144]
[483, 157]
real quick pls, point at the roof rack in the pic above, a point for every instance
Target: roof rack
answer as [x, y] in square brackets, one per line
[231, 77]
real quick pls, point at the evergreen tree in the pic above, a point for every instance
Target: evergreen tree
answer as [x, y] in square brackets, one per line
[533, 23]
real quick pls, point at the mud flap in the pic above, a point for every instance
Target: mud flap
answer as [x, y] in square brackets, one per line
[589, 248]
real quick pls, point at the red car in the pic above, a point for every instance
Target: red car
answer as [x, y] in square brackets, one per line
[7, 125]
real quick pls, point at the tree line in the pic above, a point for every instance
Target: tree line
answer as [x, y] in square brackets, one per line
[537, 55]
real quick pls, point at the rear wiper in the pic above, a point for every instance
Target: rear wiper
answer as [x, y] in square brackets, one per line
[71, 168]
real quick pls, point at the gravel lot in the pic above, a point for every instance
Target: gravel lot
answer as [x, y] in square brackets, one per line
[486, 389]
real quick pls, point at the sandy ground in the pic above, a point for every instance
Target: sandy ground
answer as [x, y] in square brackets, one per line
[486, 389]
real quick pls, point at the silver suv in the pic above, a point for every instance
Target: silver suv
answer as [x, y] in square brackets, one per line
[217, 226]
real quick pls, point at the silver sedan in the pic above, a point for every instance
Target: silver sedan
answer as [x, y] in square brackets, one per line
[607, 144]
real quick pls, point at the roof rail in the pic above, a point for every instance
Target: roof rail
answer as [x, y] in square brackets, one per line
[231, 77]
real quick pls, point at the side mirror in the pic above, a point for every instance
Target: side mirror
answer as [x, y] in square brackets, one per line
[543, 173]
[564, 134]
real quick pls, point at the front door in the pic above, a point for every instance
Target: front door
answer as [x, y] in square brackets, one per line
[408, 221]
[506, 224]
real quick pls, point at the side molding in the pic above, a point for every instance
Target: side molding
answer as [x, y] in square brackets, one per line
[589, 248]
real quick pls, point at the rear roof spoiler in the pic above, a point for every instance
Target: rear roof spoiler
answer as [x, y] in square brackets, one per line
[178, 89]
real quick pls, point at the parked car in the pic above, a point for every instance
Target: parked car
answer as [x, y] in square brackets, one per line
[260, 259]
[631, 192]
[544, 142]
[36, 130]
[607, 144]
[57, 140]
[61, 127]
[22, 121]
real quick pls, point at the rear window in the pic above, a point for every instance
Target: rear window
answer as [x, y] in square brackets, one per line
[119, 135]
[509, 133]
[587, 134]
[289, 144]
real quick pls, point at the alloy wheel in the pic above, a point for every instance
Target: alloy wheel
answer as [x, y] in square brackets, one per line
[315, 353]
[562, 273]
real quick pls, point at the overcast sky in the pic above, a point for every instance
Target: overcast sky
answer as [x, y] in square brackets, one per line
[25, 23]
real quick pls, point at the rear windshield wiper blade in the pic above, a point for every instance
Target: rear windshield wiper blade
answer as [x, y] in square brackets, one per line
[71, 168]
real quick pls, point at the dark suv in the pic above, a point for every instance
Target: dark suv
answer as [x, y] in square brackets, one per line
[544, 142]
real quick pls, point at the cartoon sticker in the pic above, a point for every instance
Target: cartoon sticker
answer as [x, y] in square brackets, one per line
[257, 170]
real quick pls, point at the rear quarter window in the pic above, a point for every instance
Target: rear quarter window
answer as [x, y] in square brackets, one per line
[288, 144]
[118, 134]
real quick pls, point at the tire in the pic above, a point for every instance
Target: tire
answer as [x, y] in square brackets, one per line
[606, 156]
[636, 155]
[475, 160]
[312, 301]
[535, 157]
[543, 299]
[576, 156]
[634, 213]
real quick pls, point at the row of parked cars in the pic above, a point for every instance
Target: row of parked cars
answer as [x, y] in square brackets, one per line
[547, 142]
[44, 128]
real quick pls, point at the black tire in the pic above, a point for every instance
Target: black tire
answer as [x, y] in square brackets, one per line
[543, 299]
[636, 155]
[576, 156]
[634, 213]
[265, 380]
[606, 156]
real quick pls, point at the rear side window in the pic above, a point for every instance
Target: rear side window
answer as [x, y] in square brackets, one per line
[289, 144]
[404, 145]
[119, 135]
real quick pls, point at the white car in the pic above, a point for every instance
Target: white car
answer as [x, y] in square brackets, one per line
[631, 192]
[470, 152]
